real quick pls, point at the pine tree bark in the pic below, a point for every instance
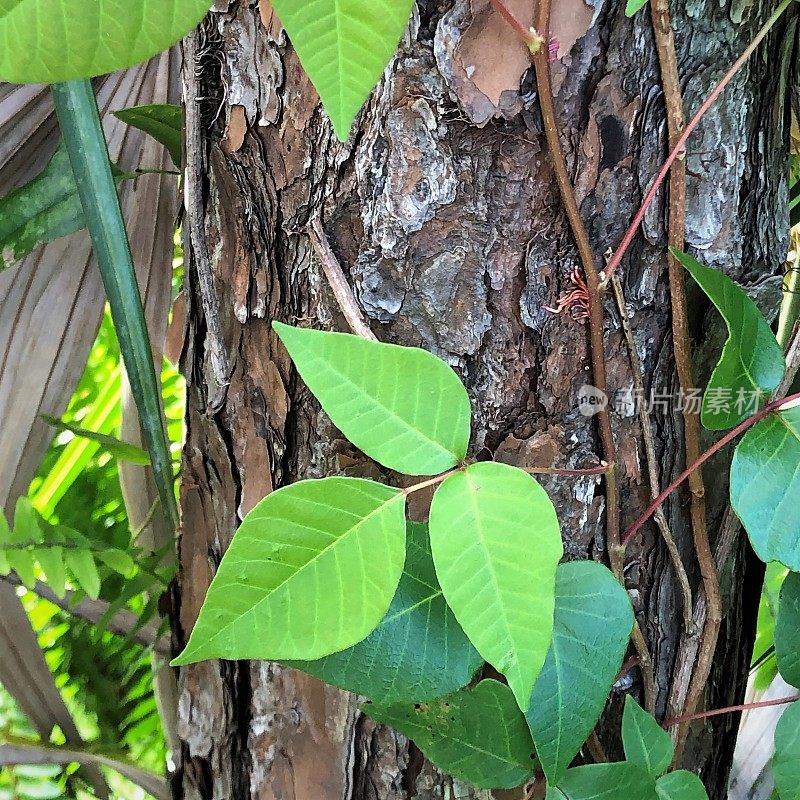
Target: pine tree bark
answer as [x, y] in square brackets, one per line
[443, 210]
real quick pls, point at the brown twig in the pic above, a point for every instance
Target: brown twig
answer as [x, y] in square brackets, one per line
[541, 63]
[676, 225]
[338, 282]
[650, 455]
[729, 710]
[679, 145]
[773, 405]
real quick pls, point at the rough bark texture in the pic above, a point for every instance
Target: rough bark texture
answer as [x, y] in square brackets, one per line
[443, 208]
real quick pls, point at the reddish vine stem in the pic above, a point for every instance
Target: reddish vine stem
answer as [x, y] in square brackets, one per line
[780, 701]
[676, 225]
[540, 57]
[679, 145]
[769, 408]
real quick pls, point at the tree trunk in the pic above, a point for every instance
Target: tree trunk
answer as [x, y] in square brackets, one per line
[444, 212]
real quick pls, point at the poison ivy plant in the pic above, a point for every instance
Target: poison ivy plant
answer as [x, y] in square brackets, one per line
[164, 122]
[752, 362]
[418, 652]
[786, 761]
[592, 624]
[344, 46]
[402, 406]
[605, 782]
[787, 630]
[496, 545]
[47, 41]
[478, 735]
[681, 785]
[765, 484]
[311, 571]
[646, 743]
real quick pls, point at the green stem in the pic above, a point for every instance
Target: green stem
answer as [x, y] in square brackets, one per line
[82, 130]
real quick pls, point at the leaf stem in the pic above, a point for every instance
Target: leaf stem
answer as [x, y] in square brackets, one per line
[678, 151]
[85, 142]
[769, 408]
[730, 710]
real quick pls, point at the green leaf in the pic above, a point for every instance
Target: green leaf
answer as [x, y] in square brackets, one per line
[44, 209]
[496, 545]
[765, 485]
[124, 451]
[311, 571]
[401, 405]
[47, 41]
[51, 560]
[608, 782]
[344, 46]
[751, 365]
[5, 539]
[477, 735]
[84, 570]
[26, 530]
[418, 652]
[163, 122]
[118, 560]
[786, 761]
[787, 630]
[681, 785]
[633, 6]
[592, 625]
[646, 743]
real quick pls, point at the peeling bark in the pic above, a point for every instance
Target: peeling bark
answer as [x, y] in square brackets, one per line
[443, 208]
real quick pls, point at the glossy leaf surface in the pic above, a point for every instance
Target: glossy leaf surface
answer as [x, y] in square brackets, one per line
[311, 570]
[401, 405]
[765, 486]
[418, 652]
[496, 545]
[592, 625]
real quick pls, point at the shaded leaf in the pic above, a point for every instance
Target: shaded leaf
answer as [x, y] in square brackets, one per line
[752, 363]
[40, 211]
[592, 624]
[478, 735]
[418, 652]
[47, 41]
[786, 761]
[5, 538]
[608, 782]
[311, 570]
[84, 570]
[681, 785]
[344, 46]
[496, 545]
[787, 630]
[646, 743]
[401, 405]
[765, 485]
[118, 560]
[163, 122]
